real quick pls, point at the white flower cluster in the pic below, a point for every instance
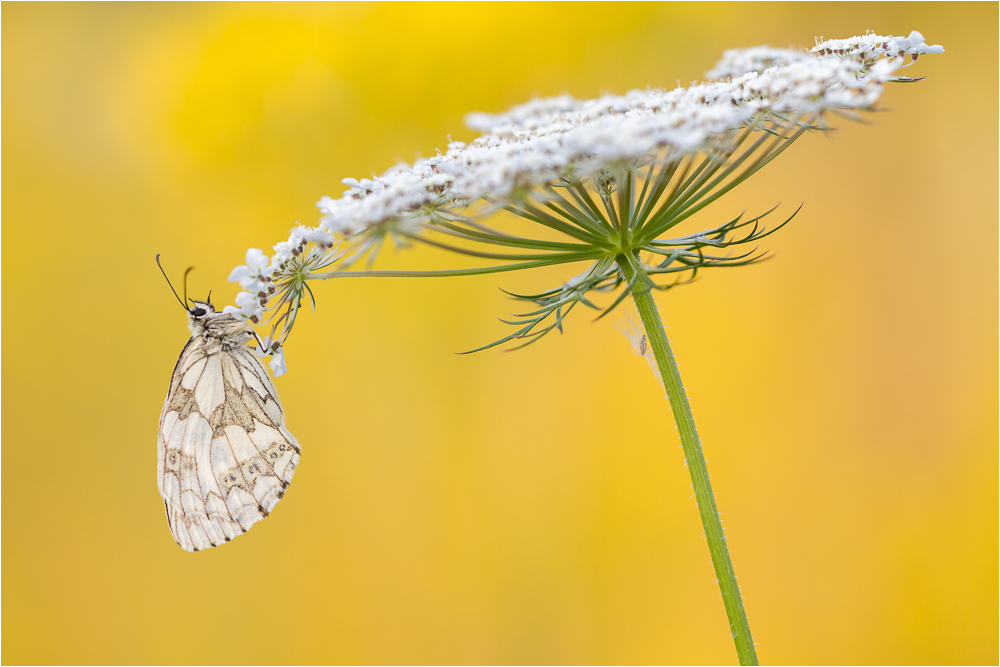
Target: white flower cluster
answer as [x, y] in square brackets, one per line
[280, 277]
[736, 62]
[548, 140]
[562, 140]
[870, 47]
[865, 49]
[305, 247]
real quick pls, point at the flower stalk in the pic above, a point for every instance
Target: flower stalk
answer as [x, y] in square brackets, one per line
[695, 460]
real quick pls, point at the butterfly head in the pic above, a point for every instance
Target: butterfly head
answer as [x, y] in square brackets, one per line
[201, 310]
[201, 315]
[204, 319]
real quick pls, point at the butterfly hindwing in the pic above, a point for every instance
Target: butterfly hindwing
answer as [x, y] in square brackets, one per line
[225, 454]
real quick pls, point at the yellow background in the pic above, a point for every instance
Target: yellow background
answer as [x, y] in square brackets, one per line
[496, 508]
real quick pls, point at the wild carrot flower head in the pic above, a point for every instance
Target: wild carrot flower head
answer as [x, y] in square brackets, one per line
[273, 288]
[607, 178]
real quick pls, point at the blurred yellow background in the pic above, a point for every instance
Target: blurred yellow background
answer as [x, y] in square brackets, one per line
[496, 508]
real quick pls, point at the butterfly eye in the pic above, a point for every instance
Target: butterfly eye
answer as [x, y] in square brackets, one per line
[198, 312]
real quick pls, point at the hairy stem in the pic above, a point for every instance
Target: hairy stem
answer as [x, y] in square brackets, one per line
[657, 337]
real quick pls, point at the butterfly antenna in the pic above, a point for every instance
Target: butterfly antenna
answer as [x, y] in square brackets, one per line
[171, 286]
[189, 270]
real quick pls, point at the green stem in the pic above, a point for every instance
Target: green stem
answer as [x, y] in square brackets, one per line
[657, 337]
[565, 258]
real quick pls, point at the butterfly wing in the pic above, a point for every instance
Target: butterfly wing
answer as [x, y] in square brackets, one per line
[225, 454]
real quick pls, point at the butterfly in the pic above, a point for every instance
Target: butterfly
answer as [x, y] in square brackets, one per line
[224, 454]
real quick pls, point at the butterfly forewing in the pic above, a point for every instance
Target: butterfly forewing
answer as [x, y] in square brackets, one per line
[225, 454]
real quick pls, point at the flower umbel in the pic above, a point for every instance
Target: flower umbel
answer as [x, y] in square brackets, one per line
[606, 180]
[278, 285]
